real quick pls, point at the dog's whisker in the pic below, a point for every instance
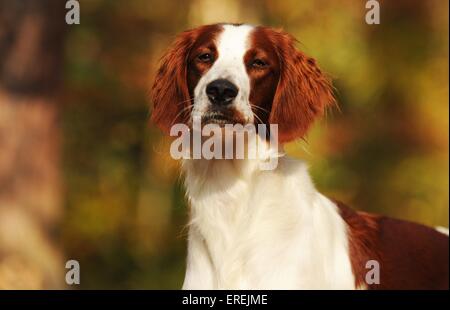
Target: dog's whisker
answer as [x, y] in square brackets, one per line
[258, 119]
[260, 108]
[184, 110]
[188, 100]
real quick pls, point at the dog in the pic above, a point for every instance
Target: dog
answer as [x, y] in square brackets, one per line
[271, 229]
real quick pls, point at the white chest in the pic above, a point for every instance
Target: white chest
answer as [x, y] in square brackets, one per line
[270, 230]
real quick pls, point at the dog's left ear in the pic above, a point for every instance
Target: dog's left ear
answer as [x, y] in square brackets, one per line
[170, 94]
[303, 91]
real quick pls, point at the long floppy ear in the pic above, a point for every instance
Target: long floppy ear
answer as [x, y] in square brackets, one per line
[170, 94]
[303, 91]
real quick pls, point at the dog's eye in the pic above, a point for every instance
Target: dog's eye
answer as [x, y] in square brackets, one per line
[205, 57]
[258, 63]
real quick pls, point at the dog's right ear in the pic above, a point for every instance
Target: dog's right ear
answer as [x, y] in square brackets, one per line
[170, 94]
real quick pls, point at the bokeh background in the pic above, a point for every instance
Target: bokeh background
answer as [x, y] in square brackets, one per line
[83, 175]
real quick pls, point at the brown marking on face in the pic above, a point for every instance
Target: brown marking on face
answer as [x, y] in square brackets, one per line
[263, 69]
[197, 63]
[172, 91]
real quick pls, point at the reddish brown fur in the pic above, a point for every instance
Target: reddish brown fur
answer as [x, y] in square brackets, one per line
[292, 92]
[171, 94]
[204, 44]
[411, 256]
[303, 91]
[263, 81]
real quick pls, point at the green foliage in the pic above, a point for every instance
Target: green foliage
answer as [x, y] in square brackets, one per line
[385, 151]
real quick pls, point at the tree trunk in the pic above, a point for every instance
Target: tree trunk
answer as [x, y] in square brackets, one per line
[31, 35]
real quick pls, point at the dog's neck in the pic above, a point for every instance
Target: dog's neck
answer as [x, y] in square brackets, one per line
[224, 184]
[242, 216]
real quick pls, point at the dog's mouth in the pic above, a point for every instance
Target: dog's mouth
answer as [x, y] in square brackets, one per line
[221, 118]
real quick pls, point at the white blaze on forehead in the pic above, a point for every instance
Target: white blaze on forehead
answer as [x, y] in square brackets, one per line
[232, 43]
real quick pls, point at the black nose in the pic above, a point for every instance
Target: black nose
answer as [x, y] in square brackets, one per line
[221, 92]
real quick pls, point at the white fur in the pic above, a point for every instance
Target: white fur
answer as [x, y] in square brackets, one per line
[255, 229]
[231, 44]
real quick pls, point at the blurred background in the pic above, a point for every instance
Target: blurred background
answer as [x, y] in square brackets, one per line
[84, 176]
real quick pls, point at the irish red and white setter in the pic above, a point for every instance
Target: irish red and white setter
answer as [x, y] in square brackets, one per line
[271, 229]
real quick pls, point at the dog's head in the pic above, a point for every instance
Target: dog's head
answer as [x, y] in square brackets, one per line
[228, 74]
